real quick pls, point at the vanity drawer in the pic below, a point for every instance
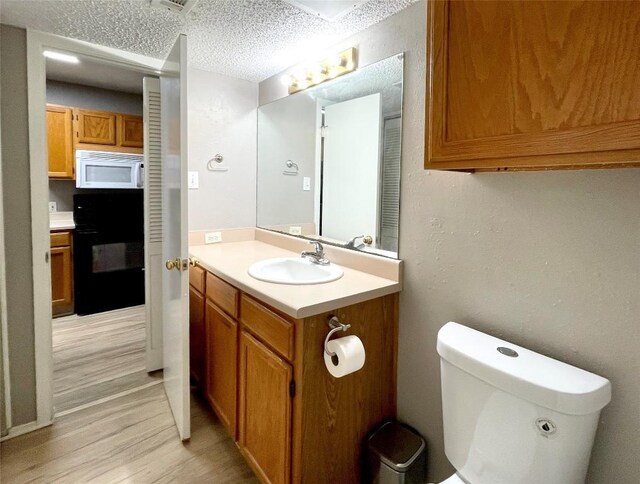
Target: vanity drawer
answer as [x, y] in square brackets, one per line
[224, 295]
[196, 278]
[60, 239]
[274, 330]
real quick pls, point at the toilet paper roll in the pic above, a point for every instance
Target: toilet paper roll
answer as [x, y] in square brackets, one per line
[349, 356]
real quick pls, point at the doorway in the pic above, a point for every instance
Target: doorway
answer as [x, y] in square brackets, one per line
[95, 166]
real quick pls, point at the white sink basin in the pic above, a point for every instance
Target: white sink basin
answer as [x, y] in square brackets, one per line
[294, 270]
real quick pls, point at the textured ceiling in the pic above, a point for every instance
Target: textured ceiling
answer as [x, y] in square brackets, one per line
[248, 39]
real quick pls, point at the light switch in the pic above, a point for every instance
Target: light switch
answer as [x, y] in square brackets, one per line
[194, 181]
[306, 183]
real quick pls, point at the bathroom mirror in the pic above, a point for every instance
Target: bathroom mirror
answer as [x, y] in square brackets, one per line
[329, 160]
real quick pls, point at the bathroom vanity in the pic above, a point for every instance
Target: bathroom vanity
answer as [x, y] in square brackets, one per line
[257, 353]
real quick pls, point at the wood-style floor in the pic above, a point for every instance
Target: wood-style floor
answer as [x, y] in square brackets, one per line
[129, 439]
[105, 438]
[98, 356]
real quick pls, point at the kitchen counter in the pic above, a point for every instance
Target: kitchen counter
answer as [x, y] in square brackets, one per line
[231, 260]
[61, 221]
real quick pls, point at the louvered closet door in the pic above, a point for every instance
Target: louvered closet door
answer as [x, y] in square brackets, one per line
[392, 142]
[153, 222]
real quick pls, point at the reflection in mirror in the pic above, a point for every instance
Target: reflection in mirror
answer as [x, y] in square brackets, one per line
[329, 160]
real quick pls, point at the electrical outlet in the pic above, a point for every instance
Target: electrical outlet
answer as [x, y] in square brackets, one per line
[212, 237]
[53, 207]
[306, 183]
[295, 230]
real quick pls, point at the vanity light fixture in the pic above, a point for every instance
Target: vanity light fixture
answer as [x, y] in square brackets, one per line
[59, 56]
[322, 71]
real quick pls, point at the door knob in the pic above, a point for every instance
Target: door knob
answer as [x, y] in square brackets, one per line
[173, 264]
[193, 261]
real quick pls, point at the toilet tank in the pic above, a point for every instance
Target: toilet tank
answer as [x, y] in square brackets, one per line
[513, 416]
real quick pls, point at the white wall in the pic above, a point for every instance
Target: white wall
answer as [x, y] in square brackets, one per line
[222, 119]
[548, 260]
[287, 132]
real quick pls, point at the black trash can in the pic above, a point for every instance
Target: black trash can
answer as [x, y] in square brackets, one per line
[396, 455]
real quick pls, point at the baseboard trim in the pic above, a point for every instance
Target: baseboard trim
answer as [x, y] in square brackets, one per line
[24, 429]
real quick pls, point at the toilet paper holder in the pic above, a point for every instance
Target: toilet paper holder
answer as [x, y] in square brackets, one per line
[335, 325]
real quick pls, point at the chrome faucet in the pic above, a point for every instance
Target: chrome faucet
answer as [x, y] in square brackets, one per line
[317, 257]
[366, 240]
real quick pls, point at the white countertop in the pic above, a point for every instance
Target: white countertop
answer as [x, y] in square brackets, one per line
[61, 221]
[230, 261]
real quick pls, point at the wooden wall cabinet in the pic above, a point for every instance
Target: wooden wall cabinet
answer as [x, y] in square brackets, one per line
[71, 128]
[131, 129]
[266, 380]
[532, 85]
[95, 127]
[107, 131]
[61, 273]
[60, 142]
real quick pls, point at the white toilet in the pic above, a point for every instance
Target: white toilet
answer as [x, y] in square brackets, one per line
[512, 416]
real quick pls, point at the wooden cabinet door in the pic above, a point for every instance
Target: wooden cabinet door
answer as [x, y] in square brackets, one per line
[61, 278]
[60, 142]
[131, 131]
[264, 410]
[95, 127]
[196, 336]
[222, 364]
[532, 84]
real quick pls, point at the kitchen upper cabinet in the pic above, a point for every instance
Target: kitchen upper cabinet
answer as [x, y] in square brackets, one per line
[61, 273]
[107, 131]
[222, 358]
[265, 410]
[60, 142]
[95, 127]
[532, 85]
[131, 130]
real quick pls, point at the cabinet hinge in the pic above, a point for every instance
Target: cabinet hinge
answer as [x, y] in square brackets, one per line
[292, 388]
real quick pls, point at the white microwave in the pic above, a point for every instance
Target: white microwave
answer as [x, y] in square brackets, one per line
[104, 169]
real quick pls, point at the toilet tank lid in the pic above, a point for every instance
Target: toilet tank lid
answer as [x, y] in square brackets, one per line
[529, 375]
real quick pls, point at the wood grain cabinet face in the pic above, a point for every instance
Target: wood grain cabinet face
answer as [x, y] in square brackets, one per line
[131, 131]
[196, 336]
[533, 85]
[222, 364]
[265, 410]
[61, 273]
[95, 127]
[60, 142]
